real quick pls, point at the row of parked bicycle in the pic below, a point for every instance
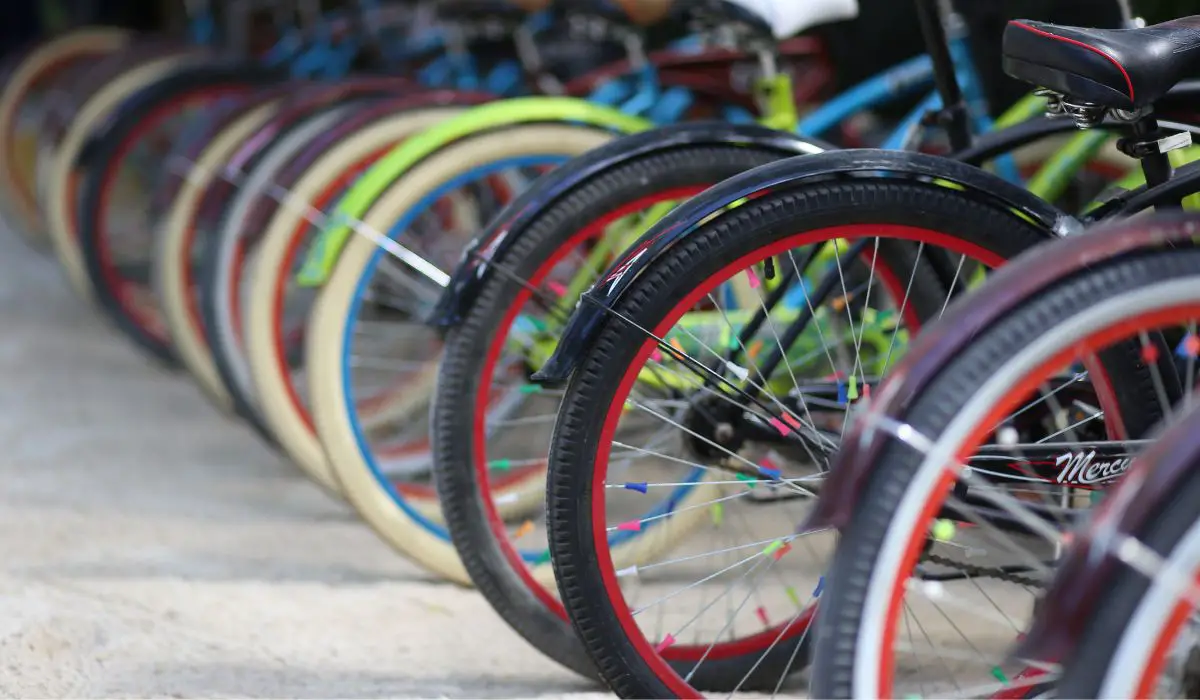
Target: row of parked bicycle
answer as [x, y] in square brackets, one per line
[656, 362]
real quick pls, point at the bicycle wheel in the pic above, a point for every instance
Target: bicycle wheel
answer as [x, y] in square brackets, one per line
[377, 468]
[271, 298]
[1149, 646]
[303, 124]
[30, 76]
[1046, 403]
[171, 272]
[58, 187]
[126, 170]
[254, 167]
[719, 384]
[488, 354]
[196, 216]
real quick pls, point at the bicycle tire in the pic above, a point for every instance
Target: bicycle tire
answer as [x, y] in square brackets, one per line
[299, 122]
[257, 178]
[151, 106]
[627, 661]
[197, 210]
[280, 406]
[227, 269]
[33, 68]
[494, 567]
[936, 412]
[171, 267]
[59, 200]
[334, 307]
[1133, 604]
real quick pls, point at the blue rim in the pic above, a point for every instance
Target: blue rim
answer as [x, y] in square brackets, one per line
[402, 224]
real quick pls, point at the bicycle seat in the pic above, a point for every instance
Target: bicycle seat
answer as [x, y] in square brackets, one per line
[1113, 68]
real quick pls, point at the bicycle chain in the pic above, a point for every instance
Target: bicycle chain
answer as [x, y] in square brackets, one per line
[984, 571]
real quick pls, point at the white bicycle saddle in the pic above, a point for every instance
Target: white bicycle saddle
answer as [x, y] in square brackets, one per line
[788, 18]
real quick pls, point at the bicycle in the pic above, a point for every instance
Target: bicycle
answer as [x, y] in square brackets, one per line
[499, 567]
[1014, 332]
[620, 335]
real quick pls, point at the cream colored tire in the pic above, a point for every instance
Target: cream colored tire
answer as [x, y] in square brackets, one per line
[55, 187]
[327, 326]
[172, 253]
[287, 421]
[18, 185]
[225, 333]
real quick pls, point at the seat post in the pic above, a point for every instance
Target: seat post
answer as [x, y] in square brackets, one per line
[953, 115]
[1151, 146]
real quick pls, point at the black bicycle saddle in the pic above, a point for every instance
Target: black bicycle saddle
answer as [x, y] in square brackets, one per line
[1114, 68]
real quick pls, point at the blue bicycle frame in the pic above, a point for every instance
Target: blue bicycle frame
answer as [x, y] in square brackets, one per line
[901, 81]
[641, 93]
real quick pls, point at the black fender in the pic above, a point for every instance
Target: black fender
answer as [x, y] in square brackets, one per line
[586, 321]
[474, 266]
[184, 78]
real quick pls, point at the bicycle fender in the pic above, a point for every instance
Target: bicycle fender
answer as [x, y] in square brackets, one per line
[504, 231]
[527, 110]
[864, 441]
[1089, 565]
[585, 323]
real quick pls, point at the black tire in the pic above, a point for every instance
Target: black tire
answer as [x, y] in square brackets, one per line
[751, 227]
[933, 409]
[1082, 674]
[462, 365]
[101, 158]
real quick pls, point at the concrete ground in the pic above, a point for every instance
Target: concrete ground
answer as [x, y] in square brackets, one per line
[151, 547]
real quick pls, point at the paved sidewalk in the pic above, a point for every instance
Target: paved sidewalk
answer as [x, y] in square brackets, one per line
[151, 547]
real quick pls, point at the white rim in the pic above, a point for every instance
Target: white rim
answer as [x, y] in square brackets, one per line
[1147, 624]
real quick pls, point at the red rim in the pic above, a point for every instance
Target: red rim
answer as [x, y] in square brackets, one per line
[124, 291]
[1026, 385]
[657, 661]
[1162, 646]
[283, 274]
[483, 398]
